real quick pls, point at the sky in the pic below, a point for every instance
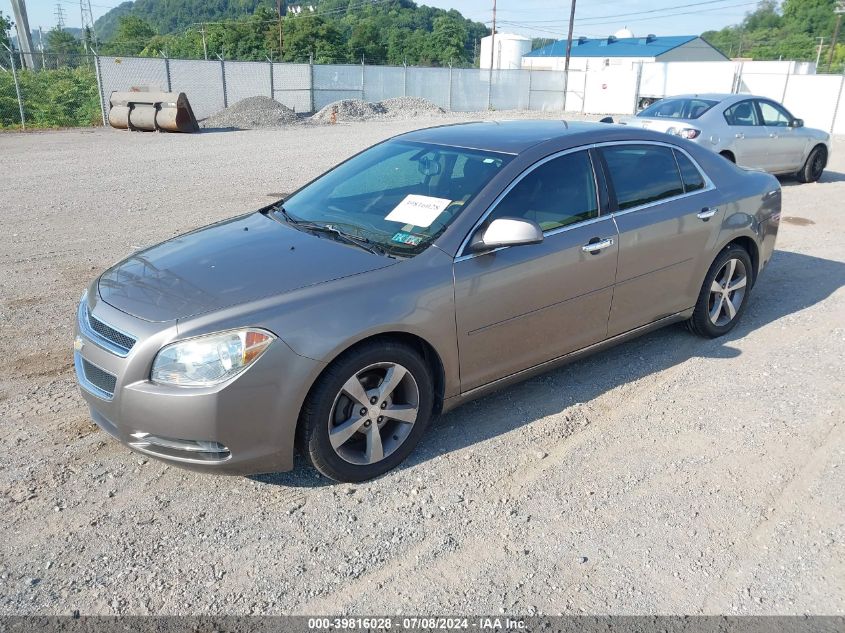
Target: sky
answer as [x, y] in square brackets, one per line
[537, 18]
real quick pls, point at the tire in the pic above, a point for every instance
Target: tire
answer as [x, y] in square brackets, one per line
[336, 430]
[716, 311]
[814, 166]
[728, 156]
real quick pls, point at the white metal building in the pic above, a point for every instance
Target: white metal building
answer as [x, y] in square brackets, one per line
[623, 52]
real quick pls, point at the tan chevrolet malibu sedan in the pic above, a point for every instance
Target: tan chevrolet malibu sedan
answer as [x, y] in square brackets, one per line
[430, 269]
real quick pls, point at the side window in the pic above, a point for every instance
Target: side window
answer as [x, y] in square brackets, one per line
[773, 114]
[642, 173]
[557, 193]
[743, 113]
[693, 180]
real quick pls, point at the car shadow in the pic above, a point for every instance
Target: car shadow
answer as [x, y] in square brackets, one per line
[827, 178]
[783, 289]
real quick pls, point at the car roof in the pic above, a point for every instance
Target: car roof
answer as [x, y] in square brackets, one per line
[515, 137]
[722, 97]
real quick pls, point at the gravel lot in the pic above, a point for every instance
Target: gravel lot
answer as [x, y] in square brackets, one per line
[669, 475]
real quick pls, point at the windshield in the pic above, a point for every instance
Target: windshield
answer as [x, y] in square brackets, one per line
[397, 195]
[677, 108]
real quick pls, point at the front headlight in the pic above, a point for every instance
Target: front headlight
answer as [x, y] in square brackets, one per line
[209, 360]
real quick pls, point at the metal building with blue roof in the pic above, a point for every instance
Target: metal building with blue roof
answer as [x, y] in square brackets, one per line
[590, 53]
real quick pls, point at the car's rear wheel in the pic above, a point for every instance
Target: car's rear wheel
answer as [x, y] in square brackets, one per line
[367, 411]
[728, 155]
[814, 166]
[724, 294]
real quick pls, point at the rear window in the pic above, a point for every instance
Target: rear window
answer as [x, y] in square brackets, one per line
[641, 174]
[677, 108]
[693, 180]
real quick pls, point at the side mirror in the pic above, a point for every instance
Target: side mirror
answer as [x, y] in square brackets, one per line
[797, 123]
[505, 232]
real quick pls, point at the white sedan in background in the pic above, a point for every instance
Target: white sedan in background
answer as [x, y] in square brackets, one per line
[750, 131]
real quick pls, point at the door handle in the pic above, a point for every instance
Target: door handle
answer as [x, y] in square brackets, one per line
[739, 135]
[598, 245]
[706, 213]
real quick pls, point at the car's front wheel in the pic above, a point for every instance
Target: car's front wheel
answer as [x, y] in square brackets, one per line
[724, 294]
[367, 411]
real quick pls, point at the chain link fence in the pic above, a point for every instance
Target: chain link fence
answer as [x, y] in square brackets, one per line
[74, 90]
[61, 93]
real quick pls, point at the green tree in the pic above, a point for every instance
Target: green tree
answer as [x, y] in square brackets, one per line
[5, 27]
[308, 36]
[448, 39]
[771, 32]
[133, 35]
[64, 48]
[367, 39]
[340, 30]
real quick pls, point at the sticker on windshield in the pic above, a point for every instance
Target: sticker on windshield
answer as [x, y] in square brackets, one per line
[407, 238]
[418, 210]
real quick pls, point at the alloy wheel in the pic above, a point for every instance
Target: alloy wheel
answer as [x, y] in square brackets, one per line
[374, 413]
[727, 292]
[817, 166]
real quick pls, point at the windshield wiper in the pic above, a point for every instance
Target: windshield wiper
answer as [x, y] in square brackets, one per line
[330, 229]
[287, 216]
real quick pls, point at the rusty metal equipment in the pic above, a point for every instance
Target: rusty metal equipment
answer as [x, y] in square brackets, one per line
[149, 109]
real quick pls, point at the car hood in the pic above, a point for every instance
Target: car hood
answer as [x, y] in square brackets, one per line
[233, 262]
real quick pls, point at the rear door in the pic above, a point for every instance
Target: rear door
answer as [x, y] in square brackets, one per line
[787, 143]
[749, 139]
[668, 219]
[520, 306]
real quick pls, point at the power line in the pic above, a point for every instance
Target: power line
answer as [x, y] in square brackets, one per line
[613, 18]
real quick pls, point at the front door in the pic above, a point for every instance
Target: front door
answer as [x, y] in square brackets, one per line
[787, 146]
[520, 306]
[668, 220]
[750, 140]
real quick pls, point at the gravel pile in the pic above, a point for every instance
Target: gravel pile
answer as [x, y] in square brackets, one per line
[357, 110]
[349, 110]
[409, 107]
[250, 114]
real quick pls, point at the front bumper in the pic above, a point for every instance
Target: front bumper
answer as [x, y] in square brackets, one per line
[244, 426]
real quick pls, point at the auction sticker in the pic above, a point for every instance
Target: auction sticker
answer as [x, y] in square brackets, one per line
[407, 238]
[418, 210]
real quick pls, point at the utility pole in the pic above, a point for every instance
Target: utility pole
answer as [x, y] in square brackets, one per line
[569, 39]
[493, 37]
[24, 35]
[819, 52]
[41, 46]
[568, 51]
[838, 10]
[204, 46]
[281, 9]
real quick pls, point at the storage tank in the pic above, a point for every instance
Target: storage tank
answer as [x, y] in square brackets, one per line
[509, 51]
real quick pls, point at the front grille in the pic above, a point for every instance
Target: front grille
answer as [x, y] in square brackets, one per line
[104, 335]
[99, 378]
[119, 339]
